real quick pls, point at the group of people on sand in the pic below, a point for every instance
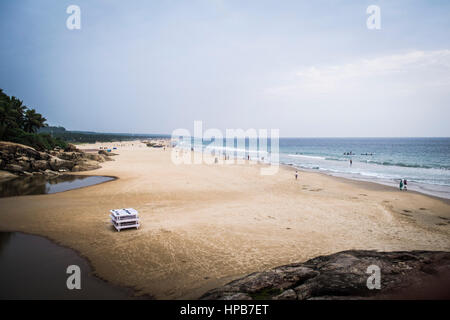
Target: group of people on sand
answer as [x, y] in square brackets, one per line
[403, 184]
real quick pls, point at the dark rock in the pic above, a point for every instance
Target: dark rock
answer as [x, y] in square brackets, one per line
[85, 166]
[238, 296]
[19, 159]
[70, 156]
[289, 294]
[103, 152]
[17, 150]
[14, 168]
[25, 165]
[344, 275]
[95, 157]
[5, 175]
[44, 156]
[57, 164]
[71, 148]
[107, 155]
[49, 172]
[40, 165]
[24, 158]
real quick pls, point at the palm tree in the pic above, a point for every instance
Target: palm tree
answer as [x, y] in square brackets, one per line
[33, 121]
[18, 110]
[7, 114]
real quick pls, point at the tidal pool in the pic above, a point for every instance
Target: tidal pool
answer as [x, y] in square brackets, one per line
[45, 185]
[33, 267]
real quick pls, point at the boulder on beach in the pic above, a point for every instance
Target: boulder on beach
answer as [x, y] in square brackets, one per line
[40, 165]
[57, 164]
[23, 160]
[345, 275]
[95, 157]
[13, 167]
[5, 175]
[85, 166]
[17, 150]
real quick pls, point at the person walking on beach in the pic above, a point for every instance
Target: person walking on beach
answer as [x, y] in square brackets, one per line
[401, 184]
[351, 162]
[296, 174]
[405, 184]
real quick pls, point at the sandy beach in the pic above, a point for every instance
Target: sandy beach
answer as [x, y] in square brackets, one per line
[205, 225]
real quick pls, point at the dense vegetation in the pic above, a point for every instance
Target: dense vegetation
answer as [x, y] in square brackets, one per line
[92, 137]
[20, 124]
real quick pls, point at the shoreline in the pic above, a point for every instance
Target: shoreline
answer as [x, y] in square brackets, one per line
[377, 182]
[205, 225]
[364, 182]
[418, 187]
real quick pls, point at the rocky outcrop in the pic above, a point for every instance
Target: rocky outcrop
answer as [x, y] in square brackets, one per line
[344, 275]
[18, 159]
[5, 175]
[57, 164]
[157, 143]
[40, 165]
[85, 166]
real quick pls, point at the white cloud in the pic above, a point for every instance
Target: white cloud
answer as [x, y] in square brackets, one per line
[401, 72]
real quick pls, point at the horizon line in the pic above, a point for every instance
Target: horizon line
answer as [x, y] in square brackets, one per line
[282, 137]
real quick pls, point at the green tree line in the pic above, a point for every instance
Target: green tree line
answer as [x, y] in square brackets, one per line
[20, 124]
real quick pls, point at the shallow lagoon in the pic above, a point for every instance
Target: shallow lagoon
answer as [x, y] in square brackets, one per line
[45, 185]
[33, 267]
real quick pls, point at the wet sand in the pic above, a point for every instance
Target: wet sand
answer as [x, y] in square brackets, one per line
[204, 225]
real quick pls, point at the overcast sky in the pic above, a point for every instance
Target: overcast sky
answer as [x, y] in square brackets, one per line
[308, 68]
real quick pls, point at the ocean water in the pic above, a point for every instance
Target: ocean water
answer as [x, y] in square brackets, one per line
[424, 162]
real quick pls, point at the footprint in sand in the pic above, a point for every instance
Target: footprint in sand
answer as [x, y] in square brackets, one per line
[406, 210]
[441, 224]
[364, 195]
[422, 208]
